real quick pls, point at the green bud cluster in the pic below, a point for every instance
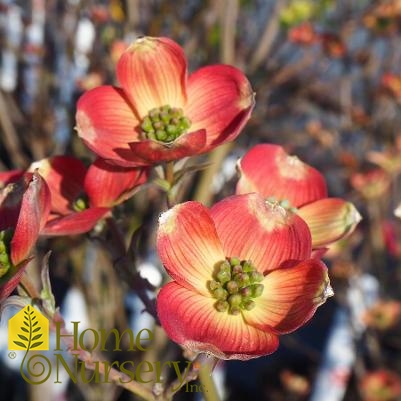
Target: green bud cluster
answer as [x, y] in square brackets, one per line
[284, 203]
[80, 204]
[165, 124]
[235, 285]
[5, 261]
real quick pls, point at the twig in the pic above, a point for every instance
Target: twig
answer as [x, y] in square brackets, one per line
[268, 37]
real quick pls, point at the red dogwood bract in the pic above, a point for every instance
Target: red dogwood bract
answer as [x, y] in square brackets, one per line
[242, 275]
[159, 114]
[270, 171]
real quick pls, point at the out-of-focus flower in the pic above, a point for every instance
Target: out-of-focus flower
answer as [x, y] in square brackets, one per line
[383, 17]
[392, 84]
[295, 383]
[117, 49]
[24, 209]
[270, 171]
[80, 197]
[315, 129]
[380, 385]
[342, 269]
[383, 315]
[303, 34]
[90, 81]
[297, 11]
[359, 116]
[332, 45]
[158, 114]
[238, 270]
[389, 160]
[391, 238]
[372, 184]
[99, 13]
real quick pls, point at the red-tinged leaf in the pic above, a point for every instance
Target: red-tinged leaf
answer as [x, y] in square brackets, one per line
[11, 280]
[35, 208]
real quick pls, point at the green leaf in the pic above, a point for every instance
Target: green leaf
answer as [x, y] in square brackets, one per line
[31, 312]
[36, 337]
[20, 344]
[34, 318]
[34, 324]
[26, 324]
[36, 344]
[37, 329]
[24, 329]
[22, 337]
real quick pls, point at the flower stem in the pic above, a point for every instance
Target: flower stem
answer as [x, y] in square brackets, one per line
[169, 177]
[205, 377]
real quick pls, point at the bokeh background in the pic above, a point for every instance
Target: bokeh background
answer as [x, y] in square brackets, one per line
[327, 78]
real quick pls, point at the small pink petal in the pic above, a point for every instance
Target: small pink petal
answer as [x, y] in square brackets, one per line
[150, 152]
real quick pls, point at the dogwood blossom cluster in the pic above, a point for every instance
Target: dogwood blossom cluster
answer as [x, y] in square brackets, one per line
[245, 270]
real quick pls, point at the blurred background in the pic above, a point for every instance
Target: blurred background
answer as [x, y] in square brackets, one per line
[327, 77]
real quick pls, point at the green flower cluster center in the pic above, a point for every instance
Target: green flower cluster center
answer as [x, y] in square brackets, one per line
[165, 124]
[80, 204]
[5, 261]
[284, 203]
[235, 285]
